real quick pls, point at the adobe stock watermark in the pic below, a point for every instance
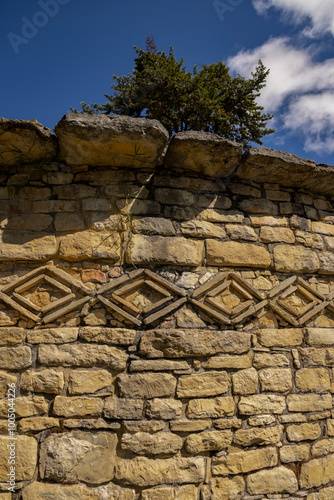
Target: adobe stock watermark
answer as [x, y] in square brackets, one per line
[11, 423]
[225, 7]
[30, 27]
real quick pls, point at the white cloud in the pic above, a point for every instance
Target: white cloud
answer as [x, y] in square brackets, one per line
[320, 13]
[298, 90]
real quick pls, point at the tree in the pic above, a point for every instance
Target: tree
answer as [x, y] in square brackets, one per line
[209, 99]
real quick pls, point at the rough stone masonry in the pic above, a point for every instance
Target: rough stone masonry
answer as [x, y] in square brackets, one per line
[166, 315]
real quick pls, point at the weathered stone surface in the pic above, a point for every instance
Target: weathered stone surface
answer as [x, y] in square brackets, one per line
[27, 222]
[323, 447]
[267, 220]
[326, 263]
[227, 489]
[322, 228]
[292, 171]
[241, 232]
[227, 361]
[232, 253]
[77, 406]
[295, 259]
[88, 381]
[46, 491]
[303, 432]
[183, 343]
[24, 454]
[69, 222]
[25, 406]
[25, 245]
[323, 494]
[309, 402]
[309, 240]
[276, 235]
[142, 471]
[214, 201]
[158, 365]
[202, 229]
[215, 215]
[164, 250]
[160, 443]
[278, 480]
[258, 436]
[170, 196]
[258, 206]
[313, 379]
[90, 245]
[320, 336]
[276, 379]
[82, 355]
[128, 409]
[49, 381]
[317, 472]
[144, 425]
[15, 358]
[294, 453]
[37, 424]
[187, 492]
[259, 420]
[167, 409]
[206, 153]
[265, 360]
[262, 403]
[208, 441]
[190, 425]
[245, 381]
[121, 336]
[5, 380]
[245, 461]
[147, 386]
[153, 225]
[52, 335]
[116, 141]
[78, 455]
[25, 142]
[272, 337]
[11, 336]
[202, 385]
[210, 408]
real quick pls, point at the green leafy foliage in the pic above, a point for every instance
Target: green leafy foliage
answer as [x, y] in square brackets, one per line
[209, 99]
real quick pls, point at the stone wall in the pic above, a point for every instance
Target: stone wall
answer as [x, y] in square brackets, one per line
[166, 315]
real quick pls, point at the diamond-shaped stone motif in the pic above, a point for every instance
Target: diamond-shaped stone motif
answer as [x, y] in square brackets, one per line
[296, 301]
[228, 298]
[45, 294]
[141, 296]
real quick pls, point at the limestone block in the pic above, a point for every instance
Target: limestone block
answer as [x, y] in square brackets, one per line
[153, 225]
[232, 253]
[208, 441]
[5, 380]
[190, 425]
[164, 250]
[272, 337]
[82, 355]
[88, 381]
[202, 385]
[214, 201]
[143, 471]
[227, 489]
[90, 245]
[206, 153]
[294, 453]
[227, 361]
[310, 240]
[139, 207]
[25, 245]
[276, 235]
[143, 425]
[160, 443]
[277, 480]
[276, 379]
[238, 232]
[265, 360]
[245, 461]
[25, 406]
[183, 343]
[25, 142]
[317, 472]
[37, 424]
[11, 336]
[326, 263]
[48, 206]
[158, 365]
[77, 406]
[320, 336]
[322, 228]
[187, 492]
[71, 191]
[244, 190]
[228, 423]
[245, 381]
[210, 408]
[309, 402]
[52, 335]
[258, 420]
[215, 215]
[78, 455]
[146, 386]
[121, 336]
[202, 229]
[330, 427]
[110, 140]
[167, 409]
[323, 494]
[15, 358]
[258, 206]
[171, 196]
[295, 259]
[23, 450]
[49, 381]
[69, 222]
[303, 432]
[262, 403]
[48, 491]
[271, 194]
[27, 222]
[323, 447]
[127, 409]
[258, 436]
[267, 220]
[313, 379]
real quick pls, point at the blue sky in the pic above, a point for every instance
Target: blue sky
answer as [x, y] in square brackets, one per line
[57, 53]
